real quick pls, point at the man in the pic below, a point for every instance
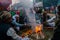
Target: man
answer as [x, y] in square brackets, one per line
[38, 14]
[6, 30]
[38, 17]
[51, 21]
[16, 22]
[56, 35]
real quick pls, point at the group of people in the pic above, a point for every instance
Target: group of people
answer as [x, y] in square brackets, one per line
[43, 17]
[52, 21]
[9, 26]
[7, 31]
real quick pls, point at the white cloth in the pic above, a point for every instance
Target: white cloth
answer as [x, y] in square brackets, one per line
[52, 19]
[52, 24]
[14, 17]
[14, 21]
[11, 32]
[25, 38]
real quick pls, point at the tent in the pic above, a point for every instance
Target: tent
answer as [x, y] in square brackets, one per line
[5, 4]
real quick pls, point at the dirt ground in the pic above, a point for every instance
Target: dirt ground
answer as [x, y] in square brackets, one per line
[47, 32]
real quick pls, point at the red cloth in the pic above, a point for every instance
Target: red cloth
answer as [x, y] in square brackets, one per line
[18, 12]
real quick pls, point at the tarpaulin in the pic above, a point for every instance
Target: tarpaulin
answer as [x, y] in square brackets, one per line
[5, 3]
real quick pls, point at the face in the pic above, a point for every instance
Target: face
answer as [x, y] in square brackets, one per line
[36, 9]
[9, 19]
[17, 18]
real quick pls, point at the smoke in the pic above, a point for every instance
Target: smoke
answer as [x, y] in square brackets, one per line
[26, 3]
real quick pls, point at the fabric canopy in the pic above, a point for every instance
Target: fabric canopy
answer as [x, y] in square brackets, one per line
[5, 3]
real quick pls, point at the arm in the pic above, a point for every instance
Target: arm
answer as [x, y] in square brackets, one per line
[11, 32]
[50, 20]
[17, 24]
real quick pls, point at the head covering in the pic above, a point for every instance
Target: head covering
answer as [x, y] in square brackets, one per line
[4, 15]
[18, 12]
[14, 17]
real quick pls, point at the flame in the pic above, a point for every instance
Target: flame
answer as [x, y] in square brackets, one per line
[38, 28]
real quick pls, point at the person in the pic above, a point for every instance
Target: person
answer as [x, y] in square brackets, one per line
[38, 14]
[7, 32]
[44, 18]
[15, 21]
[51, 21]
[56, 35]
[38, 17]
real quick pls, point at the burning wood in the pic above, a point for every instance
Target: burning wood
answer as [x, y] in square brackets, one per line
[38, 30]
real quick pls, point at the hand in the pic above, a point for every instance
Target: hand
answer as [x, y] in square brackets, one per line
[26, 24]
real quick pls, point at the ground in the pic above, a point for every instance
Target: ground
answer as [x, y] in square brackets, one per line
[48, 32]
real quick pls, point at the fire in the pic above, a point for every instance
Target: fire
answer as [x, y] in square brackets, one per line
[38, 28]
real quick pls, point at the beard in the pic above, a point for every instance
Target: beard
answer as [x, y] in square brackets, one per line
[39, 11]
